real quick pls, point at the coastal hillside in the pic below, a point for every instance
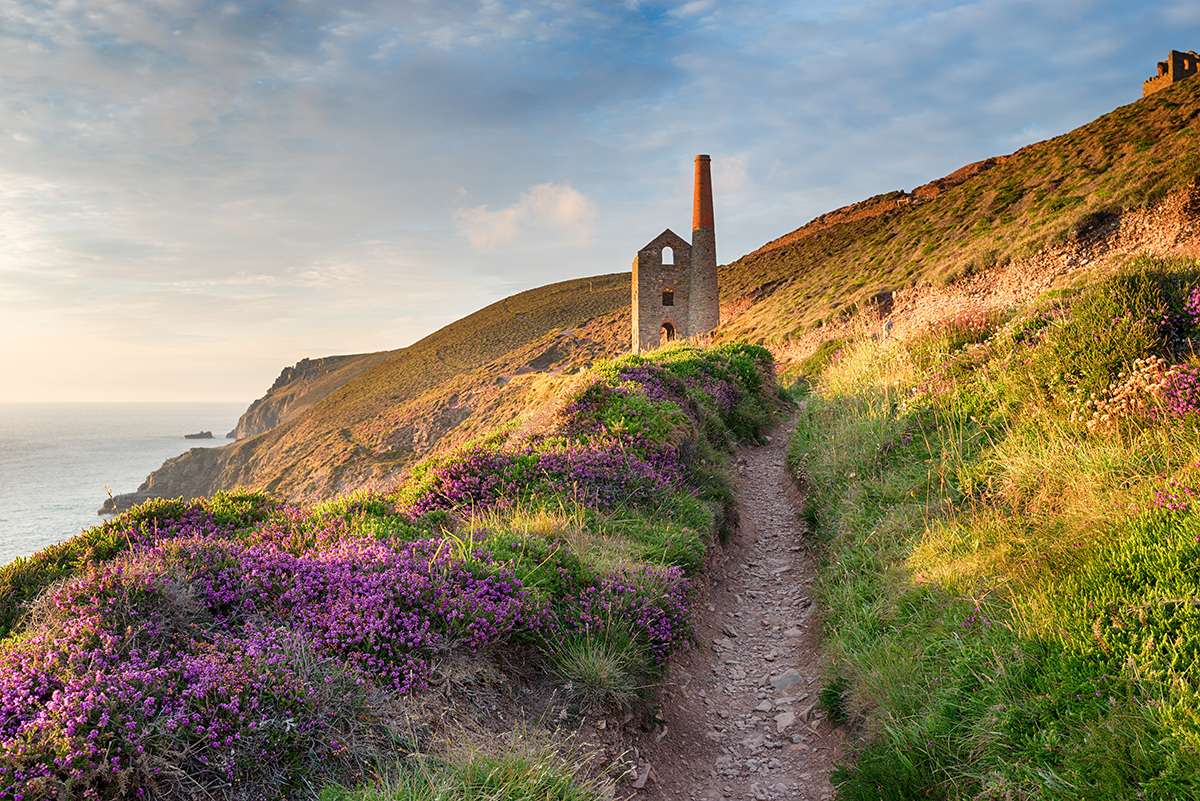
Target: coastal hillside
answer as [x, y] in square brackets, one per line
[900, 259]
[473, 570]
[426, 633]
[371, 423]
[299, 387]
[1066, 195]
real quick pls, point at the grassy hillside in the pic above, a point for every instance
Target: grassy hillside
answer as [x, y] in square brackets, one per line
[1010, 533]
[367, 430]
[1004, 504]
[301, 386]
[1066, 188]
[385, 644]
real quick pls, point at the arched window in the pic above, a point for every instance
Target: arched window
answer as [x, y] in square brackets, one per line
[668, 256]
[667, 334]
[668, 296]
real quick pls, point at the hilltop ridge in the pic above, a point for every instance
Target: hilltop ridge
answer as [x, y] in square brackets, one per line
[1017, 221]
[360, 420]
[1059, 193]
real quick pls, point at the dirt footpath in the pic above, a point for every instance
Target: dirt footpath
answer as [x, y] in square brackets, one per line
[740, 710]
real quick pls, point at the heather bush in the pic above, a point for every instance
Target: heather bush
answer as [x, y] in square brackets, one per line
[120, 689]
[24, 579]
[239, 647]
[1133, 315]
[240, 508]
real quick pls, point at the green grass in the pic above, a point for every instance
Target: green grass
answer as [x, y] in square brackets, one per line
[520, 772]
[1012, 598]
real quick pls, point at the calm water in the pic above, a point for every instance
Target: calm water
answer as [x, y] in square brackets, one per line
[56, 459]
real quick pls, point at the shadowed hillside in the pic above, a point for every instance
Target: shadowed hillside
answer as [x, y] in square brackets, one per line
[367, 430]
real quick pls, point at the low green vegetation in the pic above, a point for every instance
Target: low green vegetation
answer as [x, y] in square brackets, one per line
[1008, 516]
[516, 771]
[259, 649]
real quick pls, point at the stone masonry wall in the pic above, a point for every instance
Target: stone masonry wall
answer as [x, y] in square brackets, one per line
[705, 303]
[650, 278]
[1177, 67]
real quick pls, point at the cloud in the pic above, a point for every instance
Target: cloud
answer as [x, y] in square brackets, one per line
[287, 172]
[555, 207]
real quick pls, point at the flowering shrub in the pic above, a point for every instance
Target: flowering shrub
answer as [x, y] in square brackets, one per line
[244, 648]
[1127, 317]
[650, 603]
[208, 631]
[122, 693]
[1150, 392]
[625, 408]
[603, 472]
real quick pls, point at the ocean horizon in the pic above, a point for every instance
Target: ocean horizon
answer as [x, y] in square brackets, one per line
[57, 458]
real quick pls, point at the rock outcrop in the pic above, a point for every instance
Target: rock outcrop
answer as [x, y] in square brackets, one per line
[301, 386]
[195, 474]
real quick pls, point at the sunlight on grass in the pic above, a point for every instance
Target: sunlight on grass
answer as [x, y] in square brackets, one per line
[1011, 593]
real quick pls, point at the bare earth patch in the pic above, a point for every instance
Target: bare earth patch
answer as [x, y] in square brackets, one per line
[739, 717]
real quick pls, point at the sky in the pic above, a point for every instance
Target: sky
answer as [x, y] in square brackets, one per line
[195, 195]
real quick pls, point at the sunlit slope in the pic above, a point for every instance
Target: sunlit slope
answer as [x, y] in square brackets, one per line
[302, 385]
[1000, 209]
[364, 432]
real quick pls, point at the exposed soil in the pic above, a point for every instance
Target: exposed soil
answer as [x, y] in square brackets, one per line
[1170, 229]
[739, 717]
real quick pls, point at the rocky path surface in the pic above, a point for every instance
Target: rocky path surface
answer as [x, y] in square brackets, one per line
[739, 712]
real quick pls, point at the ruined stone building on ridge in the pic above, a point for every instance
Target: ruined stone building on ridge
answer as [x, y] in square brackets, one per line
[675, 292]
[1177, 67]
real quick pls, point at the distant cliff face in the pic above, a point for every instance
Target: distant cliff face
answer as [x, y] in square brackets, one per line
[195, 474]
[300, 387]
[333, 425]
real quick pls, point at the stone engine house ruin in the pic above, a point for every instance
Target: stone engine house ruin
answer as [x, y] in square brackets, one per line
[675, 293]
[1177, 67]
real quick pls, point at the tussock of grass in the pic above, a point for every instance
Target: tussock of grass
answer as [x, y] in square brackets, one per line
[1012, 599]
[527, 768]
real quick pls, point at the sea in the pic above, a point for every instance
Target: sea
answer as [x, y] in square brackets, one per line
[56, 459]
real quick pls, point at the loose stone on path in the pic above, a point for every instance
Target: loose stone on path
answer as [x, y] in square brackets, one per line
[750, 712]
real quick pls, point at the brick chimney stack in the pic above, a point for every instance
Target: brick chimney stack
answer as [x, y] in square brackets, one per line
[702, 207]
[704, 309]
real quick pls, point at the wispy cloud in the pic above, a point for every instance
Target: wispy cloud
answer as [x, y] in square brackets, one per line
[292, 173]
[559, 209]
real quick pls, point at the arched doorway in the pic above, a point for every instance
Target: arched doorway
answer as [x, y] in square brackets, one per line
[666, 335]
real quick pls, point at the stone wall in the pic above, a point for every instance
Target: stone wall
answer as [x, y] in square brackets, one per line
[650, 278]
[705, 305]
[1177, 67]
